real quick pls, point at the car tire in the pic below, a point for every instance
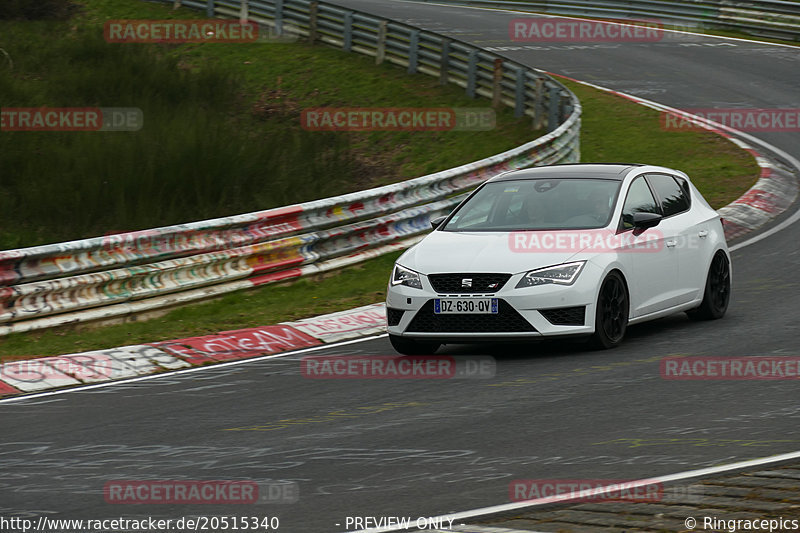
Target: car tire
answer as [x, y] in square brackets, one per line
[407, 346]
[717, 293]
[611, 313]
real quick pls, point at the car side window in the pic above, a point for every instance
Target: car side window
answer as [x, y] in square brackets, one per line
[672, 194]
[639, 200]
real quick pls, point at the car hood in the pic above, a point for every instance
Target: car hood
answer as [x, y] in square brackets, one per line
[448, 251]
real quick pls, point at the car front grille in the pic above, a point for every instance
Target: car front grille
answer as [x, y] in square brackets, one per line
[566, 316]
[468, 283]
[393, 316]
[507, 320]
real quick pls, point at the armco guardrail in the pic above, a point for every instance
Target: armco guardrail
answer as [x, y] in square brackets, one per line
[110, 276]
[770, 18]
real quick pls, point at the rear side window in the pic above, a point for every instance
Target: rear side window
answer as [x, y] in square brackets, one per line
[672, 194]
[639, 200]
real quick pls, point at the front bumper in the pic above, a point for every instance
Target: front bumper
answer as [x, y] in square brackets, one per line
[545, 310]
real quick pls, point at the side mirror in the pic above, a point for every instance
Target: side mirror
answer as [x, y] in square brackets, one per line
[436, 222]
[646, 220]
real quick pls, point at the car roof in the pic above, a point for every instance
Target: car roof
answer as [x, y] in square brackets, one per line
[608, 171]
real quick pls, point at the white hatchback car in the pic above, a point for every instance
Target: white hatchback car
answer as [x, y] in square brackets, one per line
[581, 249]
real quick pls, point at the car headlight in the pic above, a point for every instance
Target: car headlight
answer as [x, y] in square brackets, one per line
[404, 276]
[565, 274]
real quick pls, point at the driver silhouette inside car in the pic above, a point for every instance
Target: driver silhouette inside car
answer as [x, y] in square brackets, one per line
[533, 212]
[598, 206]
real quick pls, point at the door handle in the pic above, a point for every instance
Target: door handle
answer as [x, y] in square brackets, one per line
[671, 244]
[703, 234]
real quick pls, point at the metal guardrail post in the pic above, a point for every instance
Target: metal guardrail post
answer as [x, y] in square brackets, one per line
[313, 13]
[279, 17]
[444, 64]
[538, 105]
[243, 11]
[564, 106]
[519, 96]
[380, 51]
[176, 4]
[553, 104]
[497, 78]
[210, 8]
[348, 32]
[413, 52]
[472, 68]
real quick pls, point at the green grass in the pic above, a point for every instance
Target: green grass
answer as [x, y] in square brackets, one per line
[221, 133]
[614, 129]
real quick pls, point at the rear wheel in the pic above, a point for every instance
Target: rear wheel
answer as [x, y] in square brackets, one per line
[407, 346]
[611, 313]
[717, 292]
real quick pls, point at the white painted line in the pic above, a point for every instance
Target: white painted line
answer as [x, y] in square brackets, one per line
[548, 15]
[186, 371]
[566, 498]
[487, 529]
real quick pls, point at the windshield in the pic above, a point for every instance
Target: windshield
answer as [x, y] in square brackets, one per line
[541, 204]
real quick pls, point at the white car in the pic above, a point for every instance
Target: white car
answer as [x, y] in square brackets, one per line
[583, 249]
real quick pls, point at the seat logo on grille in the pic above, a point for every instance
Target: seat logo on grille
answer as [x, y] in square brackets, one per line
[466, 283]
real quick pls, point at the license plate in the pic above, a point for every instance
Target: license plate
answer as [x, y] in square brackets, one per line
[465, 306]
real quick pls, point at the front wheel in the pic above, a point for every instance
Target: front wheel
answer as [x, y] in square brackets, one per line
[611, 313]
[717, 293]
[407, 346]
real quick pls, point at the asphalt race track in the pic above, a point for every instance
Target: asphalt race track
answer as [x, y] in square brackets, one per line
[430, 447]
